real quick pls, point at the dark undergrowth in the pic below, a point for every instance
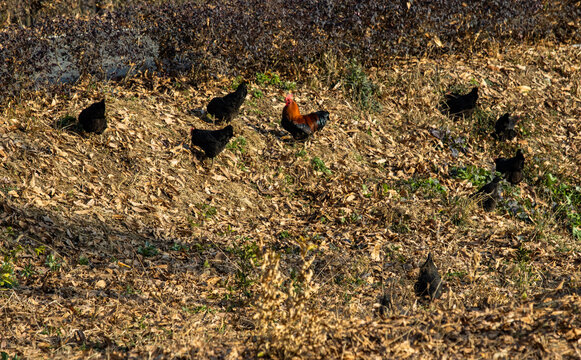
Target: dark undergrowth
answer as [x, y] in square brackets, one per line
[233, 37]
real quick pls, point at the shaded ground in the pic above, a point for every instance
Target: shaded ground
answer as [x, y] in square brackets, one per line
[125, 245]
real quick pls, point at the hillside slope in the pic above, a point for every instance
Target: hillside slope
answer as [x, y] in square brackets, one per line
[126, 244]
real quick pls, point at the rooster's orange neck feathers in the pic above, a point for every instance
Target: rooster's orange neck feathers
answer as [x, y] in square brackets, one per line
[291, 107]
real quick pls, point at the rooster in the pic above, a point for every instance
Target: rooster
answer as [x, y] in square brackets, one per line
[457, 105]
[504, 128]
[489, 194]
[301, 126]
[512, 168]
[212, 141]
[92, 119]
[429, 282]
[226, 108]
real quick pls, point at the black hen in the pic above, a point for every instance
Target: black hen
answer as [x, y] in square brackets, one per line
[504, 128]
[385, 304]
[511, 168]
[227, 107]
[212, 141]
[92, 119]
[429, 282]
[489, 194]
[457, 105]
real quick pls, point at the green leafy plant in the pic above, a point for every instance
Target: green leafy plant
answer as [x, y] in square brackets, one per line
[180, 247]
[130, 290]
[247, 257]
[319, 165]
[9, 231]
[456, 274]
[5, 356]
[39, 250]
[525, 274]
[207, 210]
[28, 270]
[270, 78]
[365, 190]
[147, 249]
[355, 217]
[7, 279]
[459, 210]
[236, 82]
[430, 186]
[362, 89]
[237, 144]
[385, 189]
[198, 309]
[477, 176]
[53, 262]
[7, 188]
[484, 121]
[567, 201]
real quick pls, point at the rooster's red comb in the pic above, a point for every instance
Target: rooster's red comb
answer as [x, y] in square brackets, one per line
[288, 98]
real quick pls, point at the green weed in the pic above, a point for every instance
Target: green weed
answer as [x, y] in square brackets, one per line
[430, 187]
[53, 262]
[6, 189]
[301, 153]
[477, 176]
[5, 356]
[7, 279]
[484, 121]
[362, 89]
[28, 271]
[365, 190]
[9, 231]
[461, 209]
[385, 188]
[319, 165]
[147, 249]
[456, 274]
[180, 247]
[247, 257]
[198, 309]
[238, 144]
[526, 276]
[567, 202]
[207, 210]
[130, 290]
[236, 82]
[39, 250]
[270, 78]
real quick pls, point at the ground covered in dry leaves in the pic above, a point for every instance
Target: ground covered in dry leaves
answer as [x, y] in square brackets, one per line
[128, 245]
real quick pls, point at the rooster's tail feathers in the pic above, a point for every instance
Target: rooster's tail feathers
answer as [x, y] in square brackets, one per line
[322, 118]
